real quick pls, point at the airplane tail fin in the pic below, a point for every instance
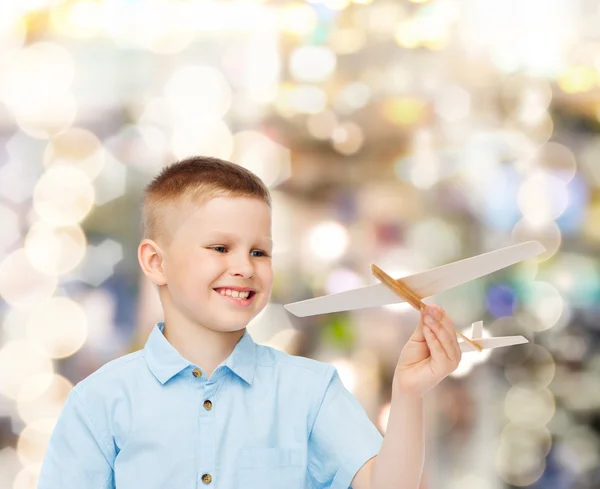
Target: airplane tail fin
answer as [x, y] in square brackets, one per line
[477, 330]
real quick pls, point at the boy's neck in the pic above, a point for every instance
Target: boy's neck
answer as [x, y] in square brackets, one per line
[201, 346]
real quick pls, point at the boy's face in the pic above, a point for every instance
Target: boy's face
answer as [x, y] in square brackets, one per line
[222, 243]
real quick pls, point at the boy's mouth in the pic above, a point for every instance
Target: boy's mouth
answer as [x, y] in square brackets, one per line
[218, 291]
[238, 301]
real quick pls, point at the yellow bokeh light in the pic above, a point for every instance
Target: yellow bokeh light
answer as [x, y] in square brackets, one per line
[591, 227]
[55, 250]
[577, 79]
[407, 35]
[21, 284]
[42, 396]
[77, 147]
[405, 111]
[282, 103]
[19, 361]
[346, 40]
[422, 30]
[59, 326]
[63, 195]
[82, 19]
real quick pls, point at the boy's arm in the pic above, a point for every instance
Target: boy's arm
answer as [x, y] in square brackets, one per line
[401, 456]
[431, 354]
[79, 454]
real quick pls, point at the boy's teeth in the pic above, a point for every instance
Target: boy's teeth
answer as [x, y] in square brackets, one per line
[234, 293]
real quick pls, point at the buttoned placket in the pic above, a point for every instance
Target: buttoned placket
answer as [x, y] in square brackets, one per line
[206, 390]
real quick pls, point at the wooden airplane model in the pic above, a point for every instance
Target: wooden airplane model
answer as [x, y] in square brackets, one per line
[425, 284]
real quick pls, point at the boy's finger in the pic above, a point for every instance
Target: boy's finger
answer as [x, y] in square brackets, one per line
[418, 332]
[435, 347]
[448, 325]
[444, 338]
[444, 319]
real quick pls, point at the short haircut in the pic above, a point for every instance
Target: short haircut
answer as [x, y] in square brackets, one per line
[196, 179]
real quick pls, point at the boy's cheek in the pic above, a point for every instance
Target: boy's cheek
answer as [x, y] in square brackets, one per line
[265, 295]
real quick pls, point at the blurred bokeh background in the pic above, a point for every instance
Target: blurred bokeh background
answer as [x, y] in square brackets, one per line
[403, 133]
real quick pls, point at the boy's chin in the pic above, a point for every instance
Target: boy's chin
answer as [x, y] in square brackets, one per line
[231, 327]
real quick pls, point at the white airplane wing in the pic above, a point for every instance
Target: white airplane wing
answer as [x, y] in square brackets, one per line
[424, 284]
[487, 343]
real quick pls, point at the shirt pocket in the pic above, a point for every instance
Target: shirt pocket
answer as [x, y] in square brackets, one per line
[270, 468]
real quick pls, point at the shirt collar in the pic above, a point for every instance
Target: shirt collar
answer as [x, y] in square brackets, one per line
[164, 361]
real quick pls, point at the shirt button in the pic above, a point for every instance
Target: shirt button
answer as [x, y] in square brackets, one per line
[197, 372]
[207, 405]
[206, 478]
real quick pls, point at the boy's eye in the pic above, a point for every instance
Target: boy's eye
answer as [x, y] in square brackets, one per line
[218, 248]
[259, 251]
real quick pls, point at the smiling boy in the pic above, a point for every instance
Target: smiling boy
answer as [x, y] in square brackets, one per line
[202, 405]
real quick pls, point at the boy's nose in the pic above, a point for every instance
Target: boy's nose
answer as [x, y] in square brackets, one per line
[241, 266]
[243, 272]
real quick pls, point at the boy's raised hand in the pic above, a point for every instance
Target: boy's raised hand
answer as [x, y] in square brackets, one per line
[431, 353]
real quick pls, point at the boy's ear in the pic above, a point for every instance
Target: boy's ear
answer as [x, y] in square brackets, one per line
[150, 257]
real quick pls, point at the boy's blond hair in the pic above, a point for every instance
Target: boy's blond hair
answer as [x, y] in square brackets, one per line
[196, 179]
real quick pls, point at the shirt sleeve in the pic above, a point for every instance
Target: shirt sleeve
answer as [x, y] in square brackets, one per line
[78, 455]
[342, 438]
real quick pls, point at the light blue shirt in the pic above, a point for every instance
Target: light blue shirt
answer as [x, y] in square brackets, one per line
[274, 420]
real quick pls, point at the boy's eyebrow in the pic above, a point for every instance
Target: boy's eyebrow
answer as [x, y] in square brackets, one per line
[222, 234]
